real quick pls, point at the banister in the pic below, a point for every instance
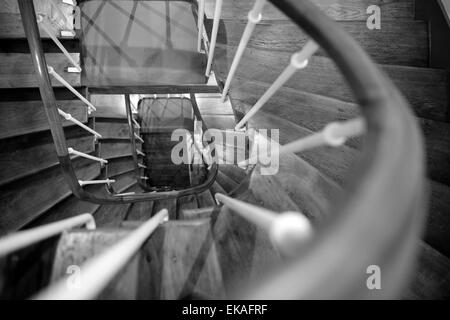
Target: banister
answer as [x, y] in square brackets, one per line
[288, 231]
[98, 271]
[299, 60]
[61, 80]
[70, 118]
[24, 238]
[254, 16]
[334, 134]
[371, 224]
[42, 20]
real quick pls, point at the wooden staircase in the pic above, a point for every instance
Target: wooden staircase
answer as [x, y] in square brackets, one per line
[207, 251]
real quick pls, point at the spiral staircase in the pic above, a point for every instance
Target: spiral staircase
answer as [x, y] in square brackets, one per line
[370, 201]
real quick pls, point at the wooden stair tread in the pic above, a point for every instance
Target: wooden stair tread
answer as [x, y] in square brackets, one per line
[118, 166]
[245, 252]
[26, 155]
[225, 182]
[183, 260]
[169, 204]
[11, 27]
[219, 121]
[73, 206]
[116, 148]
[205, 199]
[211, 104]
[193, 214]
[40, 194]
[28, 116]
[431, 279]
[186, 203]
[236, 173]
[338, 10]
[140, 211]
[17, 70]
[425, 88]
[113, 130]
[437, 232]
[396, 43]
[335, 163]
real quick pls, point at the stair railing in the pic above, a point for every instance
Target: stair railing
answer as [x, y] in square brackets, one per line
[298, 61]
[215, 29]
[335, 134]
[254, 17]
[43, 21]
[53, 115]
[25, 238]
[98, 272]
[380, 215]
[289, 231]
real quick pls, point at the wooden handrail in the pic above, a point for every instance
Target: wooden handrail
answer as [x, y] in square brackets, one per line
[382, 210]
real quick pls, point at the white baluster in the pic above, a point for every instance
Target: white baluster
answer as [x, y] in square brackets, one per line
[84, 155]
[70, 118]
[85, 183]
[215, 29]
[22, 239]
[299, 61]
[52, 71]
[288, 230]
[254, 17]
[42, 21]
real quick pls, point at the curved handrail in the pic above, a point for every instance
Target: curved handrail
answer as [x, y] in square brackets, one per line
[371, 225]
[51, 109]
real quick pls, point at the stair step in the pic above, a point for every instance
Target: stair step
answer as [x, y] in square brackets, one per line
[183, 261]
[140, 211]
[177, 61]
[17, 70]
[219, 121]
[117, 148]
[169, 204]
[314, 112]
[438, 222]
[225, 182]
[335, 163]
[11, 27]
[236, 173]
[25, 155]
[40, 193]
[426, 89]
[217, 188]
[112, 130]
[120, 165]
[73, 206]
[396, 43]
[308, 110]
[310, 190]
[211, 104]
[431, 279]
[25, 117]
[194, 214]
[205, 199]
[337, 10]
[78, 246]
[109, 106]
[186, 203]
[245, 252]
